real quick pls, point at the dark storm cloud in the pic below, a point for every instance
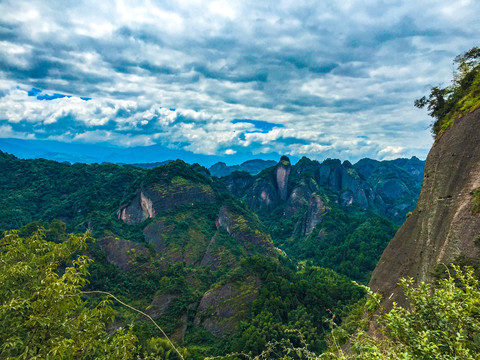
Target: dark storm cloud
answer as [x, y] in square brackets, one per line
[308, 66]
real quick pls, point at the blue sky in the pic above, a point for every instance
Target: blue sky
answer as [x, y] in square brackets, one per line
[316, 78]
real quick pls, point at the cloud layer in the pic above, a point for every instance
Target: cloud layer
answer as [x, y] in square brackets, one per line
[322, 79]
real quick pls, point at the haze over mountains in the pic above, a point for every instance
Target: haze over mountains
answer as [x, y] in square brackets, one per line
[143, 156]
[103, 152]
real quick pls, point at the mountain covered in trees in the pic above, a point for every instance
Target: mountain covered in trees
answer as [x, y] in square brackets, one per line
[253, 167]
[216, 260]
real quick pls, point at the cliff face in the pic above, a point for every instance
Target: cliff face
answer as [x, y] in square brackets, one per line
[125, 254]
[443, 227]
[282, 171]
[161, 196]
[343, 178]
[390, 188]
[222, 309]
[185, 219]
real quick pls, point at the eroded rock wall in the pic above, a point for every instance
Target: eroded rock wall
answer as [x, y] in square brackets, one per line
[442, 228]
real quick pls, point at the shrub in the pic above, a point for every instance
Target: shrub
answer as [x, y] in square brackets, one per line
[476, 201]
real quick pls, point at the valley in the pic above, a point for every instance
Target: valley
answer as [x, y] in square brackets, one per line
[223, 264]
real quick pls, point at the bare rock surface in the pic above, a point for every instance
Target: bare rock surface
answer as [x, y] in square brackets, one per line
[160, 304]
[127, 255]
[223, 308]
[442, 228]
[161, 196]
[282, 171]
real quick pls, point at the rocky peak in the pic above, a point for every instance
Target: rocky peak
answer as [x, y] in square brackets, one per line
[330, 174]
[282, 171]
[219, 169]
[239, 182]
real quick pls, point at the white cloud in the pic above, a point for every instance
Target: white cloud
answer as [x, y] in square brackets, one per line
[331, 72]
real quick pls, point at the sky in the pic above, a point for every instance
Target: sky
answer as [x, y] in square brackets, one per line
[304, 78]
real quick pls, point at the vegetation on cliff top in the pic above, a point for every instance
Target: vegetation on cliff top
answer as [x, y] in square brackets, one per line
[461, 97]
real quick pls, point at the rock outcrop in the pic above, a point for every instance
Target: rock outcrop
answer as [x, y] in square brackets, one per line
[160, 304]
[442, 228]
[344, 179]
[304, 202]
[239, 182]
[247, 240]
[223, 308]
[262, 196]
[390, 188]
[164, 195]
[127, 255]
[238, 227]
[282, 171]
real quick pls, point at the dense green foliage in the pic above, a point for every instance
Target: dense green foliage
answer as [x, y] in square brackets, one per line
[442, 322]
[348, 241]
[302, 300]
[288, 295]
[83, 196]
[461, 97]
[349, 237]
[42, 314]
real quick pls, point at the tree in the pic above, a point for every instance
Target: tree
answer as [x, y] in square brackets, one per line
[42, 315]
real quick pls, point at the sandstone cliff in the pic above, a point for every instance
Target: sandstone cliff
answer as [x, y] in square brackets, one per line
[222, 309]
[163, 195]
[443, 228]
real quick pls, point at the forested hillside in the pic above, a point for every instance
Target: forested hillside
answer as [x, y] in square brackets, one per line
[172, 241]
[205, 257]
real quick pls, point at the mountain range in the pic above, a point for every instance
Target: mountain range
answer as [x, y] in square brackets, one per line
[107, 153]
[207, 255]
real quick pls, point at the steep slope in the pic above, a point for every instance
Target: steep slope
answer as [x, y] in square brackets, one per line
[396, 183]
[389, 188]
[444, 227]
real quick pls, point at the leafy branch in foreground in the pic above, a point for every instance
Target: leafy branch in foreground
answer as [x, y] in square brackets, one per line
[442, 322]
[42, 314]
